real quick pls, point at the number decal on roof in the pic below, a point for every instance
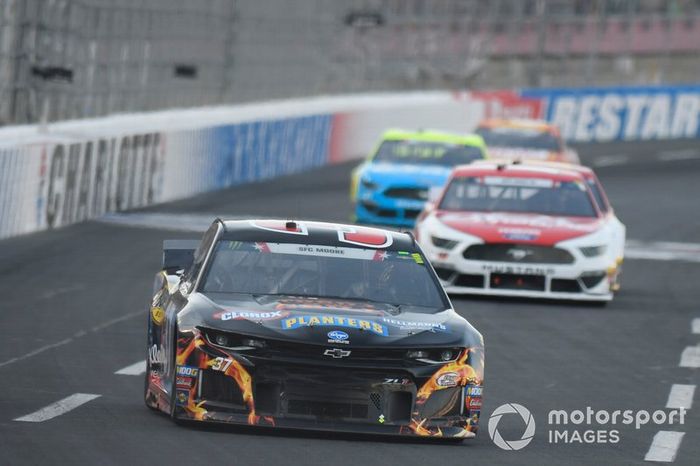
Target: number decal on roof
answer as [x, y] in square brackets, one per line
[361, 236]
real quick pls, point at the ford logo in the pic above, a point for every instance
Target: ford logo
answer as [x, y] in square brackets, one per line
[338, 335]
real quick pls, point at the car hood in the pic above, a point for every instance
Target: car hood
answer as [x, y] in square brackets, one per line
[310, 320]
[407, 174]
[498, 227]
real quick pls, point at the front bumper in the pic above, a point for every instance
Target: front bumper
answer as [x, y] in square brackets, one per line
[292, 393]
[378, 208]
[585, 279]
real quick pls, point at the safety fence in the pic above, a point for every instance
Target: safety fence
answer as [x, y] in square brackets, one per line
[83, 169]
[70, 59]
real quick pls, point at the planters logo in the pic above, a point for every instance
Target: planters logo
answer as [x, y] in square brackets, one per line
[334, 321]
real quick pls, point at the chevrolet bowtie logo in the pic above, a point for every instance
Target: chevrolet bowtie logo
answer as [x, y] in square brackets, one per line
[336, 353]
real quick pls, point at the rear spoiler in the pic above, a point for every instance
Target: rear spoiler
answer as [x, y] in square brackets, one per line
[178, 254]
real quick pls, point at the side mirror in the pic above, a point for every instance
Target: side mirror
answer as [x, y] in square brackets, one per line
[178, 255]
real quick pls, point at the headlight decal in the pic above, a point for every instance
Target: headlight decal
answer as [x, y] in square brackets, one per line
[593, 251]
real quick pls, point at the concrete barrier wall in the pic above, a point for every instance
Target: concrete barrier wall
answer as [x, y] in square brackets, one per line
[79, 170]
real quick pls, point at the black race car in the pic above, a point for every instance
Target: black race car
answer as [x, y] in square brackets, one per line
[310, 325]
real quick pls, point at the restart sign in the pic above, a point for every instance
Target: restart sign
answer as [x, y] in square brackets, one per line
[625, 113]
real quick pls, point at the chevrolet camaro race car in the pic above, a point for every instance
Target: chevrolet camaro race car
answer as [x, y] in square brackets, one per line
[531, 230]
[314, 326]
[525, 139]
[392, 186]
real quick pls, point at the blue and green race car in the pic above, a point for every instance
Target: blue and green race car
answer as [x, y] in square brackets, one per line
[394, 183]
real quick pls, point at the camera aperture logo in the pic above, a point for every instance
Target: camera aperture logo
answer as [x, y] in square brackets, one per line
[528, 419]
[589, 426]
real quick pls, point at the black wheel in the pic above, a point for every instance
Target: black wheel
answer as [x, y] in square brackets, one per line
[173, 391]
[145, 386]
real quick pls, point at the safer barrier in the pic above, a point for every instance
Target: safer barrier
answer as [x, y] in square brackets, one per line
[83, 169]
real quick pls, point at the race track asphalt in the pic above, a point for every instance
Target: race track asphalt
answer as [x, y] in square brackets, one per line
[73, 310]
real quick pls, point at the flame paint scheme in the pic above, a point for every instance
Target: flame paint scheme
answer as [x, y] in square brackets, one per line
[341, 364]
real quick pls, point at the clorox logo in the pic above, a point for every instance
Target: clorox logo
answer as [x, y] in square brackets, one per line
[337, 335]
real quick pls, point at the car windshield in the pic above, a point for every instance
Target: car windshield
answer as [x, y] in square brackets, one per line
[426, 153]
[399, 278]
[598, 194]
[514, 194]
[521, 138]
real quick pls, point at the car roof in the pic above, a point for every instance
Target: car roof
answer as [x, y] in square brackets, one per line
[434, 136]
[518, 123]
[491, 168]
[586, 171]
[316, 233]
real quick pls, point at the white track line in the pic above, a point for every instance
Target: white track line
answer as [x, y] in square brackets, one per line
[664, 447]
[77, 334]
[682, 154]
[695, 325]
[134, 369]
[681, 396]
[58, 408]
[610, 160]
[690, 357]
[662, 250]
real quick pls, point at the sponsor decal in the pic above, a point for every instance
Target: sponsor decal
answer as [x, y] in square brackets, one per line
[412, 325]
[508, 104]
[181, 397]
[334, 321]
[474, 403]
[250, 315]
[85, 180]
[448, 379]
[417, 258]
[473, 390]
[187, 371]
[156, 355]
[183, 381]
[520, 234]
[517, 269]
[634, 113]
[157, 315]
[533, 221]
[338, 336]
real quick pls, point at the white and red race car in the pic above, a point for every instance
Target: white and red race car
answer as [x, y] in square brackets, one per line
[537, 229]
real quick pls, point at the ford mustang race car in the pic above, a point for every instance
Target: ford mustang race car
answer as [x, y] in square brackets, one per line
[392, 186]
[310, 325]
[531, 230]
[524, 139]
